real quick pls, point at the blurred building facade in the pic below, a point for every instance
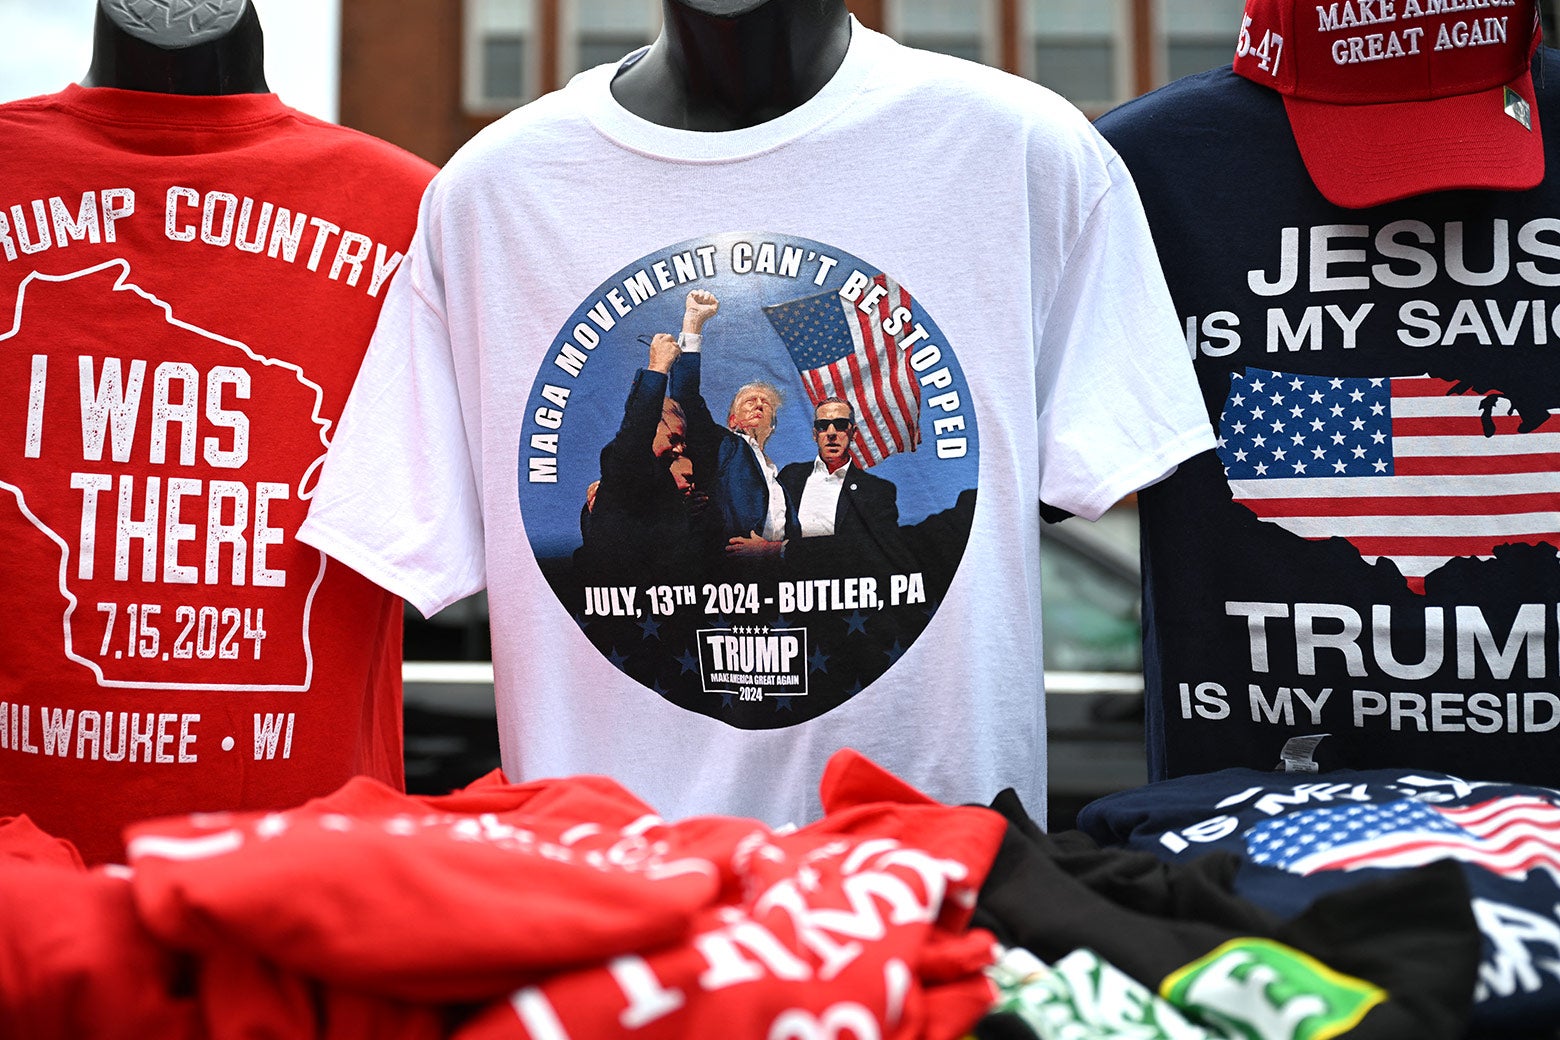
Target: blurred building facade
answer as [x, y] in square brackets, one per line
[427, 74]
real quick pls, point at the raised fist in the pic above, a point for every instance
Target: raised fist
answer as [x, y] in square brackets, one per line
[700, 308]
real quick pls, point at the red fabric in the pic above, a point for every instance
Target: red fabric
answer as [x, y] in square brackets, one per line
[21, 839]
[853, 926]
[188, 285]
[567, 904]
[75, 961]
[434, 899]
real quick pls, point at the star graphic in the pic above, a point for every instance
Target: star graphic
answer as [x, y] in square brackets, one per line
[819, 661]
[689, 662]
[856, 621]
[782, 703]
[651, 628]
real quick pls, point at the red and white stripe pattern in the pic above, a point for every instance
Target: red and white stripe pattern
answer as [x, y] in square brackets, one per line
[1509, 836]
[1406, 468]
[843, 351]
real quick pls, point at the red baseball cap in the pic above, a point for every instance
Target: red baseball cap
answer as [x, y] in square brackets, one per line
[1392, 98]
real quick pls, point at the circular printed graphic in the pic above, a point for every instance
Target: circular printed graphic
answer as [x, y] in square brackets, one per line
[748, 469]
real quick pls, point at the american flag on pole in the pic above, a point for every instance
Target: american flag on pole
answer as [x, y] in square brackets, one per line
[844, 352]
[1508, 836]
[1401, 467]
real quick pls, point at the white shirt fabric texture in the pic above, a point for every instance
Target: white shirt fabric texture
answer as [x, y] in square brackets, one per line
[989, 198]
[820, 499]
[774, 520]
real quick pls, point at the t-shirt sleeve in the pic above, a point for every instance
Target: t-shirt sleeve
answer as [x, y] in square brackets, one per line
[1118, 401]
[397, 500]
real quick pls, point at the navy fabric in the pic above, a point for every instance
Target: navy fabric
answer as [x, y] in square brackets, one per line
[1416, 643]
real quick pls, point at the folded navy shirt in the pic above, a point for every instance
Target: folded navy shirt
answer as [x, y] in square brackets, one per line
[1301, 836]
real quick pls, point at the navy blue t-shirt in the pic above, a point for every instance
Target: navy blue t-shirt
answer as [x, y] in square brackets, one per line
[1371, 550]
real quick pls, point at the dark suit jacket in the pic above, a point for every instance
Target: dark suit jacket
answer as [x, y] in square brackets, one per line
[866, 523]
[641, 527]
[723, 463]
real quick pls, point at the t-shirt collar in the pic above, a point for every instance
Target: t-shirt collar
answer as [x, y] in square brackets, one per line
[594, 87]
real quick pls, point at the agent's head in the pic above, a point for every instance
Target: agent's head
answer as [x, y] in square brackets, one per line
[753, 410]
[671, 436]
[682, 474]
[834, 423]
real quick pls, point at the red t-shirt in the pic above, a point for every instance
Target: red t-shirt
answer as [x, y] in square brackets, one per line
[187, 287]
[580, 913]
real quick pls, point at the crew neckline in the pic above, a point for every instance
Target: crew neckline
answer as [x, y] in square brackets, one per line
[112, 104]
[634, 132]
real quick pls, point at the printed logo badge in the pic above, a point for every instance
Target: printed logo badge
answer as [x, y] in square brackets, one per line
[1268, 991]
[748, 471]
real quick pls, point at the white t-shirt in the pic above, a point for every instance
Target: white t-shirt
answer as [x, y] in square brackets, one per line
[952, 249]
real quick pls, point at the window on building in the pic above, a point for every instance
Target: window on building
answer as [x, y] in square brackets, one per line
[1198, 34]
[963, 28]
[1080, 49]
[605, 30]
[500, 54]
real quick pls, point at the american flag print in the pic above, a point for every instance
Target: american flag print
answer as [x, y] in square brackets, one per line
[1404, 468]
[844, 352]
[1508, 836]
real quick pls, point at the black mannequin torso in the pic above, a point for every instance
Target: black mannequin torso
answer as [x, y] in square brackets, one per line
[729, 64]
[218, 50]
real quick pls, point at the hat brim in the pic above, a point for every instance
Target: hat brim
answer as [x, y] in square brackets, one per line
[1366, 155]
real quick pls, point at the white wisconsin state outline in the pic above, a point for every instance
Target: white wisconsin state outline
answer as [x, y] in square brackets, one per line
[305, 492]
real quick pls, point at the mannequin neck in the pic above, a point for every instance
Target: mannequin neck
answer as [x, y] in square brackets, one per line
[223, 54]
[714, 70]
